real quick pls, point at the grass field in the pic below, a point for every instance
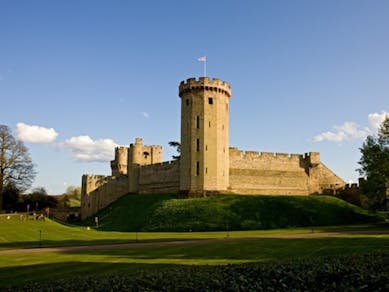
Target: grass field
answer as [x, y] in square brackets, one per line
[17, 268]
[16, 233]
[232, 246]
[232, 212]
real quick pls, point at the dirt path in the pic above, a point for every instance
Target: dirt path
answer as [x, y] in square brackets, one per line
[186, 242]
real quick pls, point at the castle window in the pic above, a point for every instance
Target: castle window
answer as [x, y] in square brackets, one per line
[198, 122]
[187, 101]
[209, 123]
[206, 147]
[206, 170]
[197, 145]
[197, 168]
[210, 100]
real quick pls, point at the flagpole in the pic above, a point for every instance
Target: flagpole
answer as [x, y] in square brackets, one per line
[205, 67]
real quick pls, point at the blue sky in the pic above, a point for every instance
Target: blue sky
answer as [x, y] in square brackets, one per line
[78, 77]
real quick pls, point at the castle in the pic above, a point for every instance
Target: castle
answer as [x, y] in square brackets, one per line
[207, 164]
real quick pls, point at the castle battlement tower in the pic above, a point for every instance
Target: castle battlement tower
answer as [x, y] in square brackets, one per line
[119, 164]
[204, 163]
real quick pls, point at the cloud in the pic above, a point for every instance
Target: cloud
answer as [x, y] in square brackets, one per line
[35, 134]
[146, 115]
[85, 149]
[351, 130]
[376, 119]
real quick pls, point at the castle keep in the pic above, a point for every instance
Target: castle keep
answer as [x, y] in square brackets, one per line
[207, 164]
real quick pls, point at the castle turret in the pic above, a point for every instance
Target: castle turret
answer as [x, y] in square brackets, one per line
[138, 155]
[204, 163]
[119, 165]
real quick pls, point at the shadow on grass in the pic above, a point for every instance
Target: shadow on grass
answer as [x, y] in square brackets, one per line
[66, 243]
[43, 272]
[263, 249]
[51, 266]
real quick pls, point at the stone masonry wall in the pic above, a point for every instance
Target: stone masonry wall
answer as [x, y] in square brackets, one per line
[99, 191]
[159, 178]
[279, 173]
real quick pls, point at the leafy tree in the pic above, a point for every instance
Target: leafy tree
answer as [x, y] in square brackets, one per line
[39, 199]
[176, 145]
[375, 167]
[16, 167]
[10, 197]
[71, 198]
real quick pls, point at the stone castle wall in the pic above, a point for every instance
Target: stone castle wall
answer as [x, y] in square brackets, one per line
[99, 191]
[279, 173]
[159, 178]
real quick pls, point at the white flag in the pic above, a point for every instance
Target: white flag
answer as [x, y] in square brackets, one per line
[202, 59]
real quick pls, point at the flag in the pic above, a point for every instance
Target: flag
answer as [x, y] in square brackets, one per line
[202, 59]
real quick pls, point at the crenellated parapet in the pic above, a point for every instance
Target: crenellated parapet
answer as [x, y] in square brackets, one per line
[311, 157]
[204, 83]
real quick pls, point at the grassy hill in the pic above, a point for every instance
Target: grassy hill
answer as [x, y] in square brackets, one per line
[227, 212]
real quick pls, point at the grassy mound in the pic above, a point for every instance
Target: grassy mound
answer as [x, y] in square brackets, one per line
[227, 212]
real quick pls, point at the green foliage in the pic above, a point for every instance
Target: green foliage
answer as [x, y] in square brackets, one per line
[39, 199]
[16, 166]
[176, 145]
[71, 198]
[369, 272]
[11, 197]
[227, 212]
[375, 166]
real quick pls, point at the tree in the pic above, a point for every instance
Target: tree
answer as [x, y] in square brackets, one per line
[375, 167]
[10, 197]
[177, 145]
[39, 199]
[72, 197]
[16, 166]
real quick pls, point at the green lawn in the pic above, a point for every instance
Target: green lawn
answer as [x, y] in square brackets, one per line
[165, 213]
[21, 267]
[18, 268]
[15, 233]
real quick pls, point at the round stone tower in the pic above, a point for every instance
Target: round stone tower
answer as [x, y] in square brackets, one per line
[204, 163]
[119, 165]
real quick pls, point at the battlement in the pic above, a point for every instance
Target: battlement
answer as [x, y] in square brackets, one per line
[235, 153]
[204, 83]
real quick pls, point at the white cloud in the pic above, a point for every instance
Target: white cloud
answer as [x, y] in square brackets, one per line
[376, 119]
[351, 130]
[84, 148]
[146, 115]
[35, 134]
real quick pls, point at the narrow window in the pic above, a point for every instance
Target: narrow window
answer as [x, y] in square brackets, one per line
[210, 100]
[206, 170]
[197, 168]
[209, 123]
[206, 147]
[198, 122]
[187, 101]
[222, 127]
[197, 145]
